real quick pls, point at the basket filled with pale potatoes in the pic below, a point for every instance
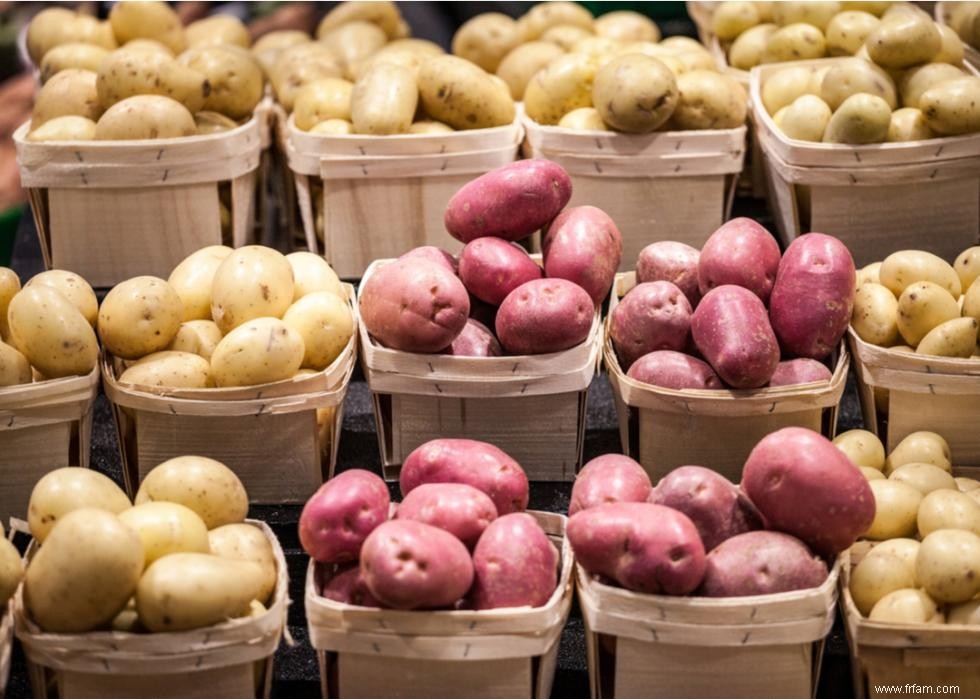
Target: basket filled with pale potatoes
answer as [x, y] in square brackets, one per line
[241, 355]
[154, 596]
[962, 18]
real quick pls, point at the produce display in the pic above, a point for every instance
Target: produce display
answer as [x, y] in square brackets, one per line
[180, 557]
[922, 563]
[914, 301]
[735, 314]
[963, 19]
[228, 318]
[460, 538]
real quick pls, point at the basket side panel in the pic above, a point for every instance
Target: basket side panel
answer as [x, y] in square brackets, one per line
[26, 455]
[783, 202]
[891, 666]
[409, 678]
[232, 682]
[952, 416]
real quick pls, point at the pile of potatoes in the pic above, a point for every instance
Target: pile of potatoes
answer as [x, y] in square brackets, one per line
[228, 318]
[964, 19]
[926, 568]
[140, 74]
[800, 503]
[427, 301]
[727, 315]
[459, 539]
[917, 302]
[179, 557]
[46, 327]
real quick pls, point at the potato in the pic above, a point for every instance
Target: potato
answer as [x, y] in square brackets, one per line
[14, 367]
[920, 448]
[338, 518]
[457, 508]
[173, 369]
[411, 565]
[353, 42]
[632, 542]
[953, 106]
[652, 316]
[244, 542]
[198, 337]
[64, 128]
[906, 606]
[204, 485]
[637, 94]
[846, 32]
[519, 65]
[71, 92]
[383, 100]
[583, 119]
[674, 370]
[584, 246]
[71, 55]
[948, 509]
[905, 549]
[672, 262]
[953, 338]
[794, 42]
[714, 505]
[333, 127]
[149, 20]
[793, 372]
[860, 119]
[853, 76]
[804, 486]
[875, 315]
[948, 565]
[267, 47]
[65, 490]
[903, 40]
[127, 73]
[211, 123]
[908, 124]
[481, 465]
[708, 100]
[317, 101]
[783, 87]
[545, 15]
[817, 14]
[608, 478]
[565, 35]
[49, 28]
[964, 613]
[514, 547]
[965, 485]
[730, 19]
[84, 574]
[761, 563]
[917, 80]
[9, 286]
[192, 280]
[347, 586]
[872, 474]
[543, 316]
[384, 14]
[460, 94]
[251, 282]
[299, 65]
[491, 268]
[805, 119]
[970, 301]
[747, 50]
[922, 307]
[433, 254]
[145, 117]
[923, 477]
[78, 291]
[485, 39]
[325, 323]
[262, 350]
[150, 46]
[564, 84]
[625, 25]
[812, 297]
[165, 528]
[311, 273]
[869, 274]
[475, 340]
[952, 47]
[11, 571]
[862, 447]
[217, 30]
[967, 266]
[900, 269]
[51, 332]
[740, 252]
[139, 316]
[235, 78]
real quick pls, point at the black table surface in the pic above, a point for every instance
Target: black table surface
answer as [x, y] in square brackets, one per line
[296, 672]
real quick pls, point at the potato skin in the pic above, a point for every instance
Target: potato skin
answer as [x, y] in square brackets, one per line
[339, 516]
[460, 94]
[510, 202]
[476, 340]
[326, 325]
[635, 93]
[481, 465]
[139, 316]
[644, 547]
[234, 78]
[414, 305]
[804, 486]
[384, 100]
[411, 565]
[861, 118]
[875, 315]
[145, 117]
[14, 367]
[78, 291]
[491, 268]
[432, 254]
[64, 490]
[708, 100]
[514, 563]
[460, 509]
[51, 332]
[192, 280]
[70, 92]
[204, 485]
[584, 246]
[544, 316]
[853, 76]
[169, 368]
[521, 64]
[244, 542]
[953, 106]
[948, 565]
[260, 351]
[798, 371]
[609, 478]
[347, 586]
[922, 307]
[740, 252]
[671, 262]
[674, 370]
[761, 563]
[165, 528]
[904, 40]
[652, 316]
[486, 39]
[252, 282]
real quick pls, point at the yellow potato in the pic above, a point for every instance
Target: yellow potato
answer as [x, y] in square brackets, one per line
[11, 570]
[334, 127]
[907, 607]
[127, 73]
[244, 542]
[329, 98]
[520, 65]
[325, 323]
[908, 124]
[139, 316]
[71, 92]
[128, 620]
[420, 47]
[192, 280]
[312, 273]
[795, 42]
[267, 48]
[905, 549]
[353, 42]
[903, 40]
[873, 7]
[563, 85]
[917, 80]
[695, 59]
[429, 127]
[922, 307]
[626, 25]
[922, 448]
[852, 76]
[847, 32]
[682, 43]
[72, 287]
[64, 128]
[583, 119]
[948, 509]
[252, 282]
[71, 55]
[948, 565]
[52, 333]
[150, 46]
[871, 474]
[954, 338]
[816, 79]
[173, 369]
[545, 15]
[204, 485]
[259, 351]
[817, 14]
[747, 50]
[67, 489]
[784, 87]
[603, 49]
[635, 93]
[84, 574]
[218, 30]
[863, 448]
[967, 613]
[778, 117]
[384, 14]
[198, 337]
[923, 477]
[876, 576]
[868, 275]
[486, 39]
[383, 100]
[875, 315]
[49, 28]
[462, 95]
[14, 367]
[148, 20]
[965, 485]
[301, 64]
[967, 266]
[9, 286]
[185, 591]
[399, 57]
[806, 118]
[165, 528]
[733, 18]
[971, 301]
[952, 47]
[860, 119]
[234, 76]
[896, 505]
[953, 106]
[708, 100]
[145, 117]
[900, 269]
[565, 35]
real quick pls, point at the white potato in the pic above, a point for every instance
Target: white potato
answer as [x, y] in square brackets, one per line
[251, 282]
[204, 485]
[262, 350]
[139, 316]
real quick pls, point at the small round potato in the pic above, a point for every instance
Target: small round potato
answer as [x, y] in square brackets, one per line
[903, 40]
[486, 39]
[9, 286]
[625, 25]
[298, 65]
[139, 316]
[967, 266]
[733, 18]
[204, 485]
[917, 80]
[875, 315]
[924, 477]
[263, 350]
[896, 506]
[165, 528]
[908, 606]
[148, 20]
[847, 32]
[817, 14]
[71, 92]
[72, 55]
[905, 549]
[51, 332]
[747, 50]
[332, 127]
[462, 95]
[908, 124]
[922, 448]
[863, 448]
[922, 307]
[64, 128]
[971, 301]
[192, 280]
[520, 65]
[708, 100]
[852, 76]
[876, 576]
[251, 282]
[329, 98]
[948, 509]
[954, 338]
[948, 565]
[635, 93]
[545, 15]
[198, 337]
[49, 28]
[565, 35]
[384, 99]
[325, 323]
[583, 119]
[67, 489]
[953, 106]
[235, 78]
[795, 42]
[145, 117]
[782, 88]
[905, 267]
[384, 14]
[860, 119]
[72, 287]
[353, 42]
[566, 83]
[806, 118]
[244, 542]
[217, 30]
[14, 367]
[172, 369]
[868, 274]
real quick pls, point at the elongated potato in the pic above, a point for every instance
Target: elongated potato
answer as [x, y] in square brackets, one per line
[460, 94]
[51, 332]
[923, 306]
[523, 62]
[900, 269]
[795, 42]
[922, 448]
[204, 485]
[145, 117]
[192, 280]
[967, 266]
[262, 350]
[65, 490]
[953, 338]
[566, 83]
[129, 73]
[875, 315]
[169, 368]
[78, 291]
[383, 100]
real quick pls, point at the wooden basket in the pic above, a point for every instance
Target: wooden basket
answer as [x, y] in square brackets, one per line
[531, 406]
[6, 645]
[877, 198]
[280, 438]
[642, 646]
[384, 195]
[111, 210]
[511, 653]
[673, 185]
[232, 660]
[701, 13]
[971, 55]
[663, 428]
[902, 654]
[916, 392]
[43, 426]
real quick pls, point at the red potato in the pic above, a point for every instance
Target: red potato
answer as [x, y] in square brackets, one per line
[347, 586]
[812, 300]
[543, 316]
[583, 245]
[481, 465]
[514, 563]
[668, 261]
[460, 509]
[340, 515]
[803, 485]
[742, 253]
[491, 268]
[652, 316]
[761, 563]
[433, 254]
[510, 202]
[609, 478]
[411, 565]
[475, 340]
[643, 547]
[414, 305]
[717, 508]
[674, 370]
[731, 330]
[797, 371]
